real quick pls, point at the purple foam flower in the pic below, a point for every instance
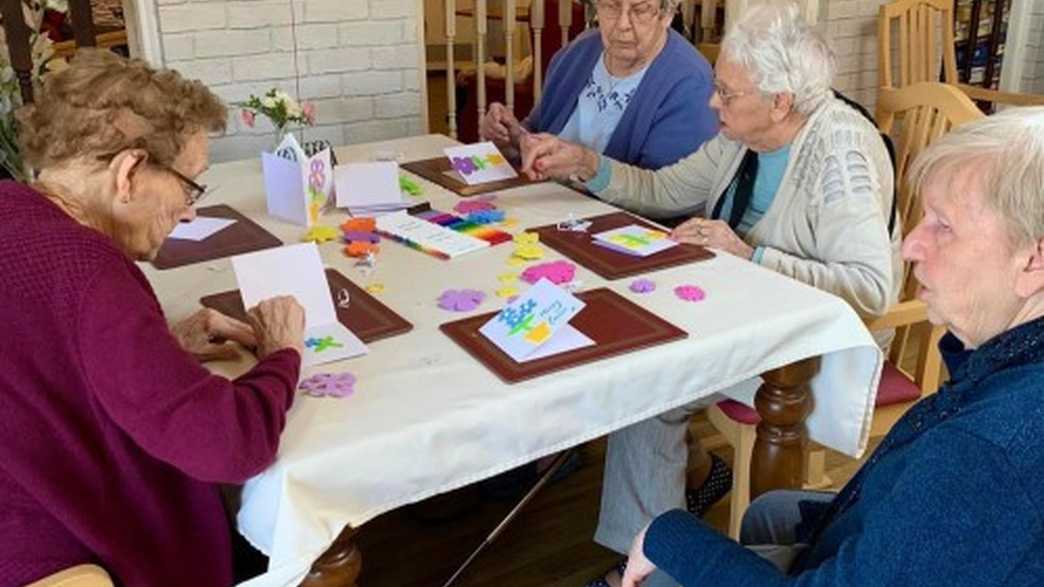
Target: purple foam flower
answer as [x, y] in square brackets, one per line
[464, 165]
[642, 286]
[557, 272]
[461, 300]
[328, 385]
[475, 205]
[357, 236]
[690, 293]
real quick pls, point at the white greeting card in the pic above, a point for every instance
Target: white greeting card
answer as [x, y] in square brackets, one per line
[200, 228]
[297, 186]
[297, 270]
[634, 240]
[426, 236]
[535, 320]
[369, 188]
[479, 163]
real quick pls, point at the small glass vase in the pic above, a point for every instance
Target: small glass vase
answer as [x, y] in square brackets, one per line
[280, 134]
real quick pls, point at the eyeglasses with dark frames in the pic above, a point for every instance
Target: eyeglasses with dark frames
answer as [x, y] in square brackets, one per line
[195, 191]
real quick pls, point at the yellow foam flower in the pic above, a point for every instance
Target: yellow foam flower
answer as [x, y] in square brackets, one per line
[320, 234]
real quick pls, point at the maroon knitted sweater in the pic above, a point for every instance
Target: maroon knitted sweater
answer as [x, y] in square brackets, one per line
[113, 438]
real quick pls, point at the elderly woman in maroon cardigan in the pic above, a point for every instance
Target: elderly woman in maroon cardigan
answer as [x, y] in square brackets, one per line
[114, 437]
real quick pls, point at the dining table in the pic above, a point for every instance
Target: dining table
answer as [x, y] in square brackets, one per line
[426, 417]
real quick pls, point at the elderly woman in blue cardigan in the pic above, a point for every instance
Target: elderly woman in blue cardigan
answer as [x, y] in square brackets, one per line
[952, 496]
[631, 88]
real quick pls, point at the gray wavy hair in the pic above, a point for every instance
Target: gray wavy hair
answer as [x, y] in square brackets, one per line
[782, 54]
[666, 6]
[1011, 145]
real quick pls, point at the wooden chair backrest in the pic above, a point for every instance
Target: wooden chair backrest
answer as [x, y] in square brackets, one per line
[915, 116]
[921, 24]
[17, 33]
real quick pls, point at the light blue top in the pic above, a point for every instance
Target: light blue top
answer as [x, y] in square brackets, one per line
[771, 166]
[600, 107]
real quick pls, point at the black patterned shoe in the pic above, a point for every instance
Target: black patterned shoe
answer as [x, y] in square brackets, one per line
[601, 582]
[718, 484]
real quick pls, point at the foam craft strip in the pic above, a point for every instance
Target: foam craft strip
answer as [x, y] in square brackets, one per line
[487, 233]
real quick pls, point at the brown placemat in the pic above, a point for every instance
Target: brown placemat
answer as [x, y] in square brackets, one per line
[616, 324]
[365, 316]
[612, 264]
[435, 170]
[244, 236]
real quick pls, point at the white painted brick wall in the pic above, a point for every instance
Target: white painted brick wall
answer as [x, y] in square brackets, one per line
[1033, 70]
[356, 59]
[850, 27]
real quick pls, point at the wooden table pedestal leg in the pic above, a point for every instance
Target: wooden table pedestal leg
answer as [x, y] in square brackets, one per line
[783, 402]
[339, 566]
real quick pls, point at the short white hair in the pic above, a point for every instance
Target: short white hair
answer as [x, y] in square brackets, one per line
[1009, 147]
[782, 54]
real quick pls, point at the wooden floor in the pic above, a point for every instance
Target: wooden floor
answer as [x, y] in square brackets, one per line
[549, 545]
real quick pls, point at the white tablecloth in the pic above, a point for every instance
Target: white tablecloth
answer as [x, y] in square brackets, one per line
[426, 418]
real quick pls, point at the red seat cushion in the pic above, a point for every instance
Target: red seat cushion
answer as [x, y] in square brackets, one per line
[894, 388]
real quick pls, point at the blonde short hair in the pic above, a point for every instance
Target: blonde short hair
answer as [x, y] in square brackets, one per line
[104, 103]
[1009, 147]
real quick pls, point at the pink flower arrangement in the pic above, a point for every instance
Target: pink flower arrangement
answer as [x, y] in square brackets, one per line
[280, 108]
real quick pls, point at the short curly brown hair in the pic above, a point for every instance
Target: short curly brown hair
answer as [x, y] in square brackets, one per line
[104, 103]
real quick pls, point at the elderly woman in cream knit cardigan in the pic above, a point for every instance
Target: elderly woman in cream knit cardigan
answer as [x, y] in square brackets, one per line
[797, 181]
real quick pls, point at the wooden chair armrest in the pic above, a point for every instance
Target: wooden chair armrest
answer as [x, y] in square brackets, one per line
[78, 576]
[1007, 98]
[901, 314]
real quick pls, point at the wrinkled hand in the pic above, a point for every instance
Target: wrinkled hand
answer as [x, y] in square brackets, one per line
[207, 333]
[712, 233]
[278, 323]
[500, 126]
[638, 567]
[545, 156]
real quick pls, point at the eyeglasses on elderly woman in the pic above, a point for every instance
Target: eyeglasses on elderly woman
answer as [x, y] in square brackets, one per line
[194, 191]
[641, 14]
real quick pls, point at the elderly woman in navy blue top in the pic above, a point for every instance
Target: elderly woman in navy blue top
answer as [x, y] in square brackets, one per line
[953, 495]
[632, 88]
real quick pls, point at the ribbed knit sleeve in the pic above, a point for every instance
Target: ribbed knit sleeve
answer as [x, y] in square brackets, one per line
[210, 428]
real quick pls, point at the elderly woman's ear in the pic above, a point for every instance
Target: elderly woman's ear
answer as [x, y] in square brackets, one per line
[782, 106]
[123, 167]
[1030, 282]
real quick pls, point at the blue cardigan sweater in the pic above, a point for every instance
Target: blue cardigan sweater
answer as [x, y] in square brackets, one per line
[668, 118]
[953, 496]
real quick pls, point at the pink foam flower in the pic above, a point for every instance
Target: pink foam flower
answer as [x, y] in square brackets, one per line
[248, 117]
[557, 272]
[308, 111]
[690, 293]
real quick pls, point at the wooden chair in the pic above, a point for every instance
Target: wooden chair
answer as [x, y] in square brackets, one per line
[17, 33]
[78, 576]
[915, 116]
[919, 21]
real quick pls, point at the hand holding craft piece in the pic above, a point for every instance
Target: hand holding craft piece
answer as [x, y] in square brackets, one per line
[690, 293]
[557, 272]
[461, 300]
[328, 385]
